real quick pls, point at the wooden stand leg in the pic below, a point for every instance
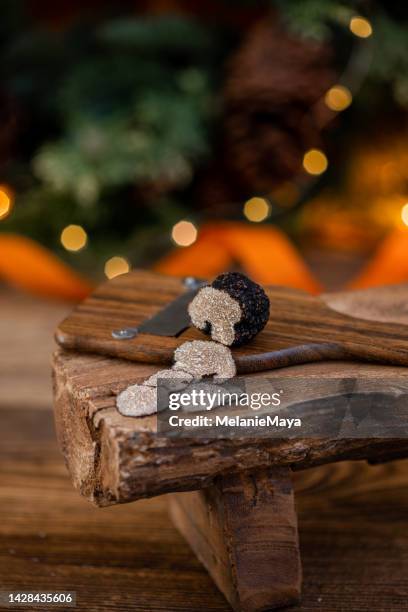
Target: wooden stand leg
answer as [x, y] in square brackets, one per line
[244, 530]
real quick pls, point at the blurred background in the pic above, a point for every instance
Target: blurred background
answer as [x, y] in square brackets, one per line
[192, 137]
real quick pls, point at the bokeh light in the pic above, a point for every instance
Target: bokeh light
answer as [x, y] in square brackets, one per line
[404, 214]
[115, 266]
[338, 98]
[184, 233]
[73, 238]
[361, 27]
[315, 161]
[6, 201]
[257, 209]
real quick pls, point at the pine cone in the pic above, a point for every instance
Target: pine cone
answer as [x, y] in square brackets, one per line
[273, 83]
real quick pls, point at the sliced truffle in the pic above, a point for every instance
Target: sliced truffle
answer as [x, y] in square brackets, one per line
[141, 399]
[232, 310]
[137, 400]
[182, 378]
[203, 358]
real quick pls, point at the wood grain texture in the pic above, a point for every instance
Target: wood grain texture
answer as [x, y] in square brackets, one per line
[244, 530]
[388, 303]
[301, 329]
[26, 327]
[127, 460]
[254, 515]
[127, 558]
[130, 558]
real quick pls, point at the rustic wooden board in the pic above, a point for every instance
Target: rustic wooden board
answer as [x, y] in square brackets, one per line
[302, 328]
[388, 303]
[111, 465]
[352, 518]
[115, 459]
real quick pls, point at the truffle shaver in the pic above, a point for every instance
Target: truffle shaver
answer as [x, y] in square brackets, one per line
[302, 328]
[171, 320]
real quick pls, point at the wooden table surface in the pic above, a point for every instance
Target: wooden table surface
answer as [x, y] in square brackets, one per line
[352, 517]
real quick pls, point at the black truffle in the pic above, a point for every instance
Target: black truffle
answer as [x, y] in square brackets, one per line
[233, 309]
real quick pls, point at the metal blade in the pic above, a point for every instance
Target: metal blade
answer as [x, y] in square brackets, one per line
[171, 320]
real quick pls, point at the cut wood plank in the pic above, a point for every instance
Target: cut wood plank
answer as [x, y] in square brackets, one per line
[301, 329]
[244, 530]
[115, 459]
[352, 526]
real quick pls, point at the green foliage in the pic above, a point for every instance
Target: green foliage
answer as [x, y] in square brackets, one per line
[159, 139]
[171, 35]
[390, 59]
[117, 116]
[314, 18]
[131, 114]
[128, 102]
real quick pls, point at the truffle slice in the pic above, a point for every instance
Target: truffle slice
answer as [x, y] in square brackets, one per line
[218, 308]
[204, 358]
[137, 401]
[233, 309]
[182, 378]
[141, 400]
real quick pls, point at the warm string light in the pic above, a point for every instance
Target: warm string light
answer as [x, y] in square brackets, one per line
[404, 214]
[184, 233]
[257, 209]
[115, 266]
[360, 26]
[338, 98]
[73, 238]
[6, 201]
[315, 162]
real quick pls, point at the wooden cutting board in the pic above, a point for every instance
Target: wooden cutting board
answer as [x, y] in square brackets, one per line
[301, 329]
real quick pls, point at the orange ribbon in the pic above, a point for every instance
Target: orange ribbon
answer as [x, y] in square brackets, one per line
[29, 266]
[263, 252]
[389, 264]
